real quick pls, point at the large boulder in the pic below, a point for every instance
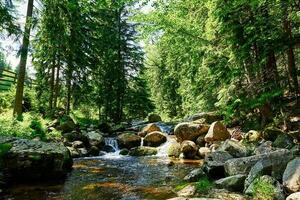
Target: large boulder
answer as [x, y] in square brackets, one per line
[268, 166]
[189, 149]
[189, 131]
[129, 140]
[235, 148]
[214, 163]
[243, 165]
[154, 118]
[34, 160]
[154, 139]
[232, 183]
[143, 151]
[291, 176]
[95, 139]
[217, 132]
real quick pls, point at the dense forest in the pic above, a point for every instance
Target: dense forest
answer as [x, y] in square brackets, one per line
[99, 68]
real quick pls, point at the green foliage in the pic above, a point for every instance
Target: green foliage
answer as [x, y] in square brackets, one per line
[263, 190]
[4, 148]
[204, 185]
[181, 186]
[31, 126]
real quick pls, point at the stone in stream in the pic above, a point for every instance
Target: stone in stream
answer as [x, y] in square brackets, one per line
[217, 132]
[73, 152]
[150, 128]
[205, 117]
[291, 176]
[235, 149]
[143, 151]
[154, 139]
[243, 165]
[77, 144]
[124, 152]
[68, 125]
[232, 183]
[95, 139]
[129, 140]
[189, 149]
[189, 131]
[194, 175]
[201, 141]
[35, 160]
[174, 150]
[294, 196]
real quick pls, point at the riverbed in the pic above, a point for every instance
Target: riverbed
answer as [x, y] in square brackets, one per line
[111, 177]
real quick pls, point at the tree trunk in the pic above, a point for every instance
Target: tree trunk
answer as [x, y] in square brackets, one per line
[52, 85]
[68, 84]
[22, 66]
[56, 86]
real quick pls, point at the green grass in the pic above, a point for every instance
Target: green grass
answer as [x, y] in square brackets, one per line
[181, 186]
[204, 185]
[31, 126]
[263, 190]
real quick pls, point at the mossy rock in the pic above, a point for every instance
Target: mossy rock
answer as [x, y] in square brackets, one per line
[143, 151]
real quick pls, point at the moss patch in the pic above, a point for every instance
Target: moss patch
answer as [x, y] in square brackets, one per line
[204, 185]
[263, 190]
[4, 148]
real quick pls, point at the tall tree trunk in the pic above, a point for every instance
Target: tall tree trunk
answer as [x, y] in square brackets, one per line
[52, 85]
[23, 61]
[270, 73]
[56, 86]
[69, 86]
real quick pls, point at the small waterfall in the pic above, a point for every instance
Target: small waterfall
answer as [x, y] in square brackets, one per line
[142, 142]
[112, 142]
[163, 149]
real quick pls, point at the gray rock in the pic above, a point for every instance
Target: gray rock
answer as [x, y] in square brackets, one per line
[271, 133]
[269, 166]
[291, 176]
[205, 117]
[95, 139]
[232, 183]
[243, 165]
[235, 149]
[124, 152]
[30, 160]
[77, 144]
[264, 148]
[214, 163]
[194, 175]
[284, 141]
[278, 192]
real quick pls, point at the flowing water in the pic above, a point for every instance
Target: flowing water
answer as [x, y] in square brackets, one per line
[111, 177]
